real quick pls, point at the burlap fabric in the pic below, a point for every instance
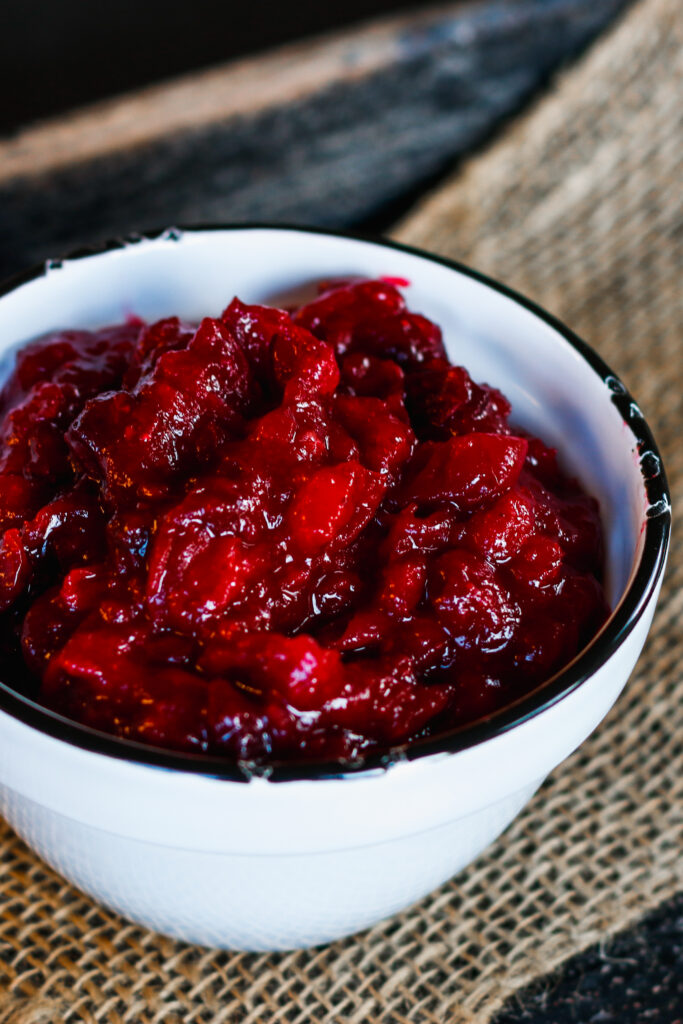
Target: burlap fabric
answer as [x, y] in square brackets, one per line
[578, 206]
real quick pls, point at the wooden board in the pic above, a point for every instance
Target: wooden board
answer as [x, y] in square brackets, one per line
[325, 132]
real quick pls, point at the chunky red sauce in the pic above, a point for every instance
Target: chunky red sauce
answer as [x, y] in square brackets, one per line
[277, 536]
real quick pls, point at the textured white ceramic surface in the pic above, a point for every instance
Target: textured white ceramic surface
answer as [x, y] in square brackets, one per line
[276, 865]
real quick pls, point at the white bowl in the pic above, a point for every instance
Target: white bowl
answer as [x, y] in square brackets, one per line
[186, 845]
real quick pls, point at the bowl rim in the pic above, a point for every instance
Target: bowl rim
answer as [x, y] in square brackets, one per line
[632, 606]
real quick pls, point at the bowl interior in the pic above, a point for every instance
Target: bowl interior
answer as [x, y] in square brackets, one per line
[554, 391]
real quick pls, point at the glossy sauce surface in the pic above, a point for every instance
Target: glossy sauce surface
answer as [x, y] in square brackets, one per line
[282, 534]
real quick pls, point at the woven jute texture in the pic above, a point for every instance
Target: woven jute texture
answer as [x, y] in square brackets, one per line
[578, 206]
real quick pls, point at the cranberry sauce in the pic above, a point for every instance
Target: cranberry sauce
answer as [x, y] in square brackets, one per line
[282, 535]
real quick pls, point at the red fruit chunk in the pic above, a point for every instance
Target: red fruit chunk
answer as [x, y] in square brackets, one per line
[581, 532]
[487, 412]
[334, 593]
[174, 418]
[500, 531]
[370, 377]
[544, 645]
[370, 316]
[172, 712]
[203, 557]
[33, 434]
[365, 631]
[255, 329]
[542, 462]
[19, 499]
[89, 362]
[237, 726]
[15, 568]
[223, 380]
[298, 669]
[538, 562]
[43, 360]
[385, 443]
[154, 340]
[306, 674]
[445, 400]
[403, 585]
[97, 677]
[436, 393]
[409, 339]
[278, 427]
[432, 533]
[471, 603]
[323, 507]
[53, 379]
[467, 471]
[382, 698]
[335, 504]
[128, 537]
[478, 695]
[303, 365]
[343, 310]
[425, 641]
[574, 520]
[70, 528]
[95, 652]
[82, 589]
[47, 626]
[582, 601]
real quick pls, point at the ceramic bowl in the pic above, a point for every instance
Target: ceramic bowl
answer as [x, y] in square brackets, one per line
[204, 851]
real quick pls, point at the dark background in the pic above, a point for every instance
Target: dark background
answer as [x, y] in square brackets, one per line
[58, 54]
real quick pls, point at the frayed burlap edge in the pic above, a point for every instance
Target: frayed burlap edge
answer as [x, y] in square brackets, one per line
[30, 1011]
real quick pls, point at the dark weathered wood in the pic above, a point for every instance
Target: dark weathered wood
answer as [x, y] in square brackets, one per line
[324, 132]
[634, 978]
[85, 52]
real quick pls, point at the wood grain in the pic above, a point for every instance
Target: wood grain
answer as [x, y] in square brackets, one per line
[327, 132]
[240, 89]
